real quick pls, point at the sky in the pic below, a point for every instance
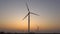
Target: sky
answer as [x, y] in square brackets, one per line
[13, 11]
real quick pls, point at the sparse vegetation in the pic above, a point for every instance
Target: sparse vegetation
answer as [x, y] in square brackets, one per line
[27, 33]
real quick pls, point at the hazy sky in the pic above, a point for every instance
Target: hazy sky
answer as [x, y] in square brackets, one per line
[13, 11]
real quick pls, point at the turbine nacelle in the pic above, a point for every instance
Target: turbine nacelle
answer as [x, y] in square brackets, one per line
[29, 14]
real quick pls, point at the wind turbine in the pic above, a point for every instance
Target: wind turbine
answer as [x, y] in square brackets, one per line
[28, 15]
[37, 28]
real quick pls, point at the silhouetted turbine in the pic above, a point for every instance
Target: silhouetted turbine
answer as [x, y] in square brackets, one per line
[29, 17]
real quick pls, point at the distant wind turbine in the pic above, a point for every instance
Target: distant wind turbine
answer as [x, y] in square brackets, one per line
[37, 28]
[28, 15]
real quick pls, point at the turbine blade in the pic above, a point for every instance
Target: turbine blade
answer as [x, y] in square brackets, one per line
[25, 16]
[34, 14]
[27, 6]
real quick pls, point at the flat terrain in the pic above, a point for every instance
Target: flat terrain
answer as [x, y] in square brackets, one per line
[28, 33]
